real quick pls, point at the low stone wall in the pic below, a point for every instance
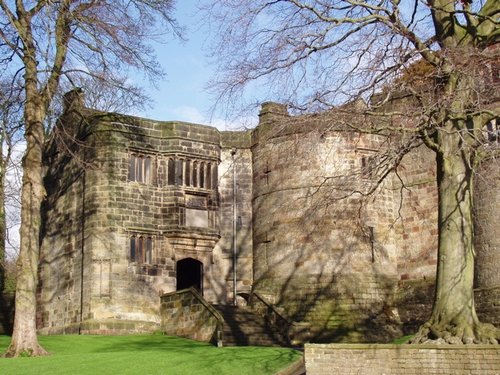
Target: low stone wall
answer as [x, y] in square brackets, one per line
[185, 313]
[385, 359]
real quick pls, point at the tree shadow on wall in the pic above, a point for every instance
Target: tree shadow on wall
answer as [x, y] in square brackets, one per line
[323, 250]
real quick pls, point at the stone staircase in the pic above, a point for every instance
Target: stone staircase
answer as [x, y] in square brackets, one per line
[243, 327]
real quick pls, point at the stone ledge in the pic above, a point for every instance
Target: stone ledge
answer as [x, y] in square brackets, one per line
[402, 346]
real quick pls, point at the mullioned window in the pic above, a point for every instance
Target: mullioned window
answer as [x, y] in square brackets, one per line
[141, 249]
[193, 173]
[140, 168]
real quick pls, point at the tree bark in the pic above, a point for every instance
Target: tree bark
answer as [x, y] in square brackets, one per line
[454, 318]
[3, 225]
[24, 339]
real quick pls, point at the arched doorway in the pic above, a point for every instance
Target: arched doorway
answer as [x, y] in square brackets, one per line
[190, 274]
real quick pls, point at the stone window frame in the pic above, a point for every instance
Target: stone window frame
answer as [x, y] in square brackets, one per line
[492, 129]
[367, 167]
[368, 163]
[140, 168]
[141, 248]
[192, 172]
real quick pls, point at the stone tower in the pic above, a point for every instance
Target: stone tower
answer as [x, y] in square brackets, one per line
[487, 241]
[325, 252]
[133, 210]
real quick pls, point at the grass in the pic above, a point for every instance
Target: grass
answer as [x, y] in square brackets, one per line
[145, 355]
[402, 340]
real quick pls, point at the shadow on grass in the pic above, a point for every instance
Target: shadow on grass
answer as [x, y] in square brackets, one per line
[109, 344]
[151, 354]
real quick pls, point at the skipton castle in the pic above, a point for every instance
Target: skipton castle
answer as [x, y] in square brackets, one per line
[136, 208]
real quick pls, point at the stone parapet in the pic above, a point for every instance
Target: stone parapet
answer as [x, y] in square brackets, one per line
[185, 313]
[236, 139]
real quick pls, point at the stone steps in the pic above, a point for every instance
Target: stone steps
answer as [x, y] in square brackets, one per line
[242, 327]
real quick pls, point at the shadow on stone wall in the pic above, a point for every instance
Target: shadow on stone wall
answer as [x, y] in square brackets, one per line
[342, 294]
[328, 238]
[6, 313]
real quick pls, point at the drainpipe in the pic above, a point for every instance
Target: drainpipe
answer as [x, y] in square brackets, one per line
[233, 154]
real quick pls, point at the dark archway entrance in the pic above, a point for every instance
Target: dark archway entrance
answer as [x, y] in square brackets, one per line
[190, 274]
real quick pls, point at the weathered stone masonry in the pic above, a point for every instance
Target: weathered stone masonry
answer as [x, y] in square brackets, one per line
[380, 359]
[122, 211]
[137, 208]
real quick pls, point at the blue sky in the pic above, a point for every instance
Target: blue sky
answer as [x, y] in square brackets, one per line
[183, 95]
[180, 96]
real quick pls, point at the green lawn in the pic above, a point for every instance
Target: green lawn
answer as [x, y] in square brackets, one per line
[145, 355]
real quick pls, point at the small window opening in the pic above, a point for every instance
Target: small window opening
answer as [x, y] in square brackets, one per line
[209, 176]
[202, 175]
[367, 166]
[187, 173]
[195, 174]
[171, 171]
[141, 249]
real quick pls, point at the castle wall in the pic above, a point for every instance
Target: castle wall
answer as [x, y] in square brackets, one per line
[60, 287]
[293, 208]
[119, 288]
[415, 193]
[487, 241]
[314, 256]
[415, 227]
[235, 186]
[486, 209]
[168, 214]
[327, 249]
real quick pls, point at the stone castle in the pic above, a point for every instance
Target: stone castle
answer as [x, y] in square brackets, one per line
[137, 208]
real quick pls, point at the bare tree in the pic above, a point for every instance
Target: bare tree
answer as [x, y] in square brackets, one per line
[10, 134]
[316, 55]
[49, 44]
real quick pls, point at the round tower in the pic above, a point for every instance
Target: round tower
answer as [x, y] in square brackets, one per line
[487, 241]
[486, 209]
[323, 257]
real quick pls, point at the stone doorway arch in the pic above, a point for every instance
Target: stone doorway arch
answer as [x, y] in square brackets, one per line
[189, 274]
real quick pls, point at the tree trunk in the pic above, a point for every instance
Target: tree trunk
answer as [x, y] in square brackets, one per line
[454, 318]
[3, 225]
[24, 339]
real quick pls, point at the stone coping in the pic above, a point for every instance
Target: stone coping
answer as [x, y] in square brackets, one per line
[403, 346]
